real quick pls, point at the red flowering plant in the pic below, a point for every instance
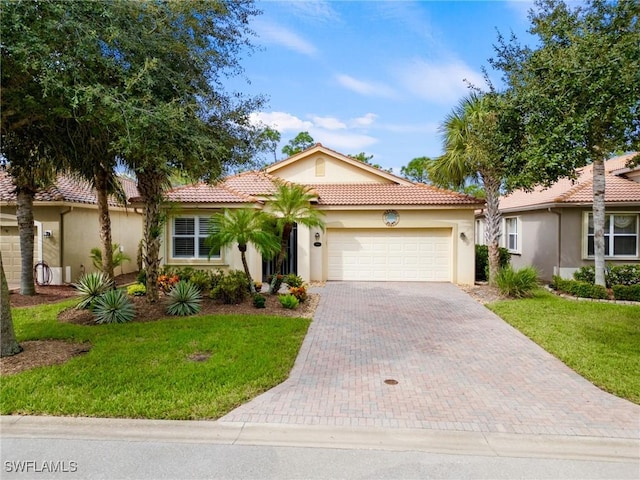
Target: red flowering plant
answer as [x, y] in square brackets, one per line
[299, 292]
[166, 282]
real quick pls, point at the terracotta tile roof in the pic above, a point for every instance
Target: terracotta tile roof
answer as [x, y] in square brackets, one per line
[205, 193]
[66, 189]
[389, 194]
[580, 190]
[252, 183]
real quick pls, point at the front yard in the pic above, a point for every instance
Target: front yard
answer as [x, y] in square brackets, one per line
[177, 368]
[600, 341]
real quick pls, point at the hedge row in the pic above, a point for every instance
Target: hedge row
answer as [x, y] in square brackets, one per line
[587, 290]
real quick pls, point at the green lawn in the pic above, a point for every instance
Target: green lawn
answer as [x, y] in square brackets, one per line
[142, 370]
[600, 341]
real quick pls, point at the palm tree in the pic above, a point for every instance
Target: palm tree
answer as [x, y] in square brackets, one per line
[292, 204]
[472, 152]
[243, 226]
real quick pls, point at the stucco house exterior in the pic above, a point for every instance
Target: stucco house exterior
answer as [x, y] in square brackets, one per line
[379, 227]
[552, 228]
[67, 228]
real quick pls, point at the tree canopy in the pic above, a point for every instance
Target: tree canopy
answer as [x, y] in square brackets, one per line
[300, 142]
[577, 94]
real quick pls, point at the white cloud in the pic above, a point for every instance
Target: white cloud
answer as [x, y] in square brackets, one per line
[329, 123]
[347, 143]
[364, 121]
[441, 83]
[365, 88]
[280, 121]
[279, 35]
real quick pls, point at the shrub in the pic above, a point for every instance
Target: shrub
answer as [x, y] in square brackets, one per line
[117, 257]
[517, 283]
[232, 287]
[293, 280]
[200, 279]
[259, 301]
[624, 274]
[626, 292]
[90, 287]
[137, 290]
[183, 299]
[579, 289]
[289, 301]
[166, 282]
[299, 292]
[275, 282]
[142, 277]
[585, 274]
[113, 307]
[482, 261]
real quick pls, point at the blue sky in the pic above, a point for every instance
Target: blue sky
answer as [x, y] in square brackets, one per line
[372, 76]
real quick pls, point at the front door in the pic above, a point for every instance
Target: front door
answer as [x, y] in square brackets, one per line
[290, 264]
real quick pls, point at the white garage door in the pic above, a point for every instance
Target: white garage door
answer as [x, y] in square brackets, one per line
[390, 255]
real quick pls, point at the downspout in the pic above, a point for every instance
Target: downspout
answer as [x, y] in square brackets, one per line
[62, 214]
[559, 237]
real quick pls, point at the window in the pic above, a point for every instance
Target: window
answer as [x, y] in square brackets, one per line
[512, 234]
[188, 238]
[620, 235]
[480, 240]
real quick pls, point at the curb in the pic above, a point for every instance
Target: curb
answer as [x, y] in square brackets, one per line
[237, 433]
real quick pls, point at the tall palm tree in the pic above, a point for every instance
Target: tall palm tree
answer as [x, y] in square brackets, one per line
[472, 152]
[291, 204]
[243, 226]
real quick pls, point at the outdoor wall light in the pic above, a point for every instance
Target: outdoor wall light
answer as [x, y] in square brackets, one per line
[317, 237]
[47, 233]
[462, 236]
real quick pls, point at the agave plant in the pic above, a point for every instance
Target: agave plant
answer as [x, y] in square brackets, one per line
[183, 299]
[113, 307]
[90, 287]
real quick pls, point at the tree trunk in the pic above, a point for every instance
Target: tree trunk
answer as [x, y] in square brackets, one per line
[492, 229]
[100, 180]
[8, 344]
[598, 219]
[284, 243]
[24, 214]
[243, 251]
[150, 187]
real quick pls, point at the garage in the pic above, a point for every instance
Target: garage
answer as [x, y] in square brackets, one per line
[10, 248]
[410, 255]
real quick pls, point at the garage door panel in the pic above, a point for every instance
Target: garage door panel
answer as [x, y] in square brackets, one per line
[389, 255]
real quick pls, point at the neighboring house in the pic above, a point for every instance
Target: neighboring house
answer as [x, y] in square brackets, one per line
[67, 228]
[378, 226]
[552, 228]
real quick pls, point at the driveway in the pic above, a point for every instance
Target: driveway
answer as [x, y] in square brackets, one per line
[426, 355]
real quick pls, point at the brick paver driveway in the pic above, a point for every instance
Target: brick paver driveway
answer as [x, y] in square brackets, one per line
[457, 367]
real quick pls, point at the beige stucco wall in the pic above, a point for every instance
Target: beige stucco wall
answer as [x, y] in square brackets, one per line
[335, 171]
[458, 220]
[540, 241]
[74, 232]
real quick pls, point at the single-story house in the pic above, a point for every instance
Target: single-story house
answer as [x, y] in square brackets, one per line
[379, 227]
[67, 228]
[552, 228]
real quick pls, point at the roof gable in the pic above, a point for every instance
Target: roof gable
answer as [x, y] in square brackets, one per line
[320, 165]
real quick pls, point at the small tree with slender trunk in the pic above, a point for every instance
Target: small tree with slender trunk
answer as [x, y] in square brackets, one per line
[291, 204]
[243, 226]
